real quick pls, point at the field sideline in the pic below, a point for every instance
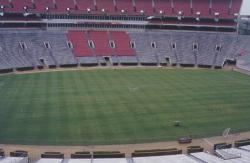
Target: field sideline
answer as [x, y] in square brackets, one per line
[121, 106]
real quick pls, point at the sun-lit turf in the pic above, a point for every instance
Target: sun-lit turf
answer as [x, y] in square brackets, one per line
[121, 106]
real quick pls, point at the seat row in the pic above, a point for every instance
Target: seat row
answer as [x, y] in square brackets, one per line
[188, 8]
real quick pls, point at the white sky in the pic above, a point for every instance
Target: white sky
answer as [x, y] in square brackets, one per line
[245, 9]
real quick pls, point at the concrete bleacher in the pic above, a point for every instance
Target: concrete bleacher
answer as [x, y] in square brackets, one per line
[165, 159]
[35, 51]
[59, 53]
[174, 155]
[78, 161]
[110, 160]
[144, 50]
[59, 50]
[14, 160]
[128, 59]
[243, 156]
[50, 160]
[163, 49]
[87, 60]
[184, 48]
[247, 148]
[224, 156]
[206, 157]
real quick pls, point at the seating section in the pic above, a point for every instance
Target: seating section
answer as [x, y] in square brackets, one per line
[166, 159]
[4, 2]
[145, 52]
[164, 6]
[234, 154]
[83, 5]
[183, 6]
[246, 147]
[34, 48]
[188, 8]
[41, 5]
[221, 6]
[18, 6]
[236, 5]
[126, 6]
[107, 5]
[202, 7]
[33, 52]
[62, 5]
[122, 43]
[226, 8]
[101, 43]
[80, 43]
[145, 6]
[14, 160]
[243, 62]
[60, 50]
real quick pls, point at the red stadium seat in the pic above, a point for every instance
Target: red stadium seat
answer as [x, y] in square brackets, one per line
[189, 8]
[18, 6]
[101, 42]
[221, 6]
[5, 3]
[165, 6]
[83, 5]
[236, 4]
[122, 43]
[126, 6]
[62, 5]
[146, 6]
[201, 6]
[42, 4]
[183, 6]
[80, 43]
[107, 5]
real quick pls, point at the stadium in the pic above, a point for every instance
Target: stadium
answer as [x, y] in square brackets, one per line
[124, 81]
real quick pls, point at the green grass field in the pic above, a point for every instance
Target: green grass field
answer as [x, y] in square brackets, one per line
[121, 106]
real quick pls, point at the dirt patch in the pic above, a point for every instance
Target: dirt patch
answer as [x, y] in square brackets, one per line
[109, 67]
[242, 71]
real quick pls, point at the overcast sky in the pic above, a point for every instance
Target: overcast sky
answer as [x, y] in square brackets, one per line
[245, 9]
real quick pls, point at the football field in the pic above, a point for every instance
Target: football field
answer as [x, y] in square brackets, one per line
[121, 106]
